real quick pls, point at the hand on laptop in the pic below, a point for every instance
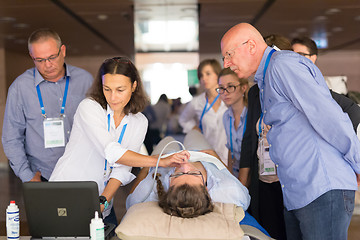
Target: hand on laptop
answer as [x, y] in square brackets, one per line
[37, 177]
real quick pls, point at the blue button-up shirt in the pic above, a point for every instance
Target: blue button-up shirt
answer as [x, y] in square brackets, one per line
[311, 139]
[23, 132]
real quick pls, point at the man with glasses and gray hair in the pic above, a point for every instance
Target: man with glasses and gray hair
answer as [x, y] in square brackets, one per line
[40, 107]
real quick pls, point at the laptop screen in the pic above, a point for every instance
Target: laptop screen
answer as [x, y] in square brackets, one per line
[60, 209]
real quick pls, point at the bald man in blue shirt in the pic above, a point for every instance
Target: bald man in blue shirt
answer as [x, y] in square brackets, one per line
[312, 141]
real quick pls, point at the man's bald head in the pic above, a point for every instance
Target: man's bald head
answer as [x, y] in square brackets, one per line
[242, 47]
[242, 31]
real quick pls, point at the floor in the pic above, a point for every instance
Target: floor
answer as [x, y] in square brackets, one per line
[10, 189]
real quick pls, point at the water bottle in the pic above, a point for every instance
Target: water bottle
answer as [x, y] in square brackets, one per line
[12, 221]
[97, 228]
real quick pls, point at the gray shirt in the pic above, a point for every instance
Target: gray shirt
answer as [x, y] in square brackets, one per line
[23, 132]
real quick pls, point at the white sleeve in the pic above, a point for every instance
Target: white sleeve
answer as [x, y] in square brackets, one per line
[122, 173]
[133, 138]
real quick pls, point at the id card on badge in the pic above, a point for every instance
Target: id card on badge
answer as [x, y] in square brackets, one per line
[54, 132]
[266, 165]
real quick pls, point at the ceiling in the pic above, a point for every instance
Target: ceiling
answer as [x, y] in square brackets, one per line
[102, 27]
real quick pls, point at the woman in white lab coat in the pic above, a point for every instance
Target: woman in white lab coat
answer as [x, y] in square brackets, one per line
[107, 134]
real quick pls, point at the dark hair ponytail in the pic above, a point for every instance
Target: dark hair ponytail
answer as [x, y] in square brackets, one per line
[185, 201]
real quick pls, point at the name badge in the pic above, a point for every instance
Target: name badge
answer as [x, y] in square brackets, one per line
[266, 165]
[54, 132]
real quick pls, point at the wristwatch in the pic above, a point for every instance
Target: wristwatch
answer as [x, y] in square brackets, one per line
[103, 201]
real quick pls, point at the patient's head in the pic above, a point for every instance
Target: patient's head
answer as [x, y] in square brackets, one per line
[187, 196]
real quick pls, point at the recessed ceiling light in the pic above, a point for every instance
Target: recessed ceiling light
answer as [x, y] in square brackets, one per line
[20, 25]
[337, 29]
[102, 17]
[7, 19]
[320, 18]
[332, 11]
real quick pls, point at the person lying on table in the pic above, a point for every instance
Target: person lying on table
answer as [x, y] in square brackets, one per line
[190, 189]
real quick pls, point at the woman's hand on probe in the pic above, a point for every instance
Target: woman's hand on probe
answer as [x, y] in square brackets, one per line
[175, 159]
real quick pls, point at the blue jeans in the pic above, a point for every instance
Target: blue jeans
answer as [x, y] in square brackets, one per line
[326, 218]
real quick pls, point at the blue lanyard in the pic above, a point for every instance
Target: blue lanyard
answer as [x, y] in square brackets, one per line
[205, 110]
[62, 111]
[260, 128]
[263, 81]
[231, 142]
[262, 90]
[120, 138]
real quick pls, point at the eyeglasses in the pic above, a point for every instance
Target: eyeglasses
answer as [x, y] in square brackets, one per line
[50, 59]
[193, 173]
[229, 89]
[305, 54]
[229, 54]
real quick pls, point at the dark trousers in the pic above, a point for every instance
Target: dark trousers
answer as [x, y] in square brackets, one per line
[271, 209]
[111, 218]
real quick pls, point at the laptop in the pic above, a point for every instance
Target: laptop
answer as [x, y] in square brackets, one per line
[61, 209]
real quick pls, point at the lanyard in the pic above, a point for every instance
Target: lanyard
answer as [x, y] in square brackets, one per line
[262, 90]
[260, 128]
[231, 142]
[120, 138]
[205, 110]
[263, 81]
[62, 111]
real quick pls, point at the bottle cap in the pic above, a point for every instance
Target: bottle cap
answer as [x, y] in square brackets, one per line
[96, 219]
[12, 202]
